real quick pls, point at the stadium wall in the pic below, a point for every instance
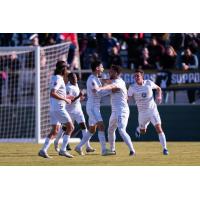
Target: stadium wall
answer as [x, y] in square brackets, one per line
[180, 123]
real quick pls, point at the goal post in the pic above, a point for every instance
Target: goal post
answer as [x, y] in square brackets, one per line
[24, 97]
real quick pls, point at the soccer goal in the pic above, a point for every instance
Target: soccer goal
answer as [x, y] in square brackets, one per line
[25, 74]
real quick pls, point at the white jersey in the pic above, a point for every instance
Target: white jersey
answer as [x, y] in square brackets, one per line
[73, 90]
[94, 99]
[143, 95]
[119, 99]
[58, 84]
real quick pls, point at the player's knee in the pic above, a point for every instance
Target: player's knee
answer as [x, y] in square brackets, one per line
[92, 129]
[69, 127]
[122, 131]
[100, 126]
[158, 128]
[54, 132]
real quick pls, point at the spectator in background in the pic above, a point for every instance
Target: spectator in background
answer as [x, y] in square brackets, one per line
[163, 78]
[168, 59]
[13, 77]
[88, 50]
[144, 60]
[156, 51]
[114, 58]
[71, 59]
[189, 61]
[34, 39]
[106, 45]
[135, 45]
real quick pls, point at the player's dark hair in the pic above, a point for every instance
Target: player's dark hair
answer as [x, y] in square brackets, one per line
[116, 68]
[60, 67]
[71, 75]
[139, 71]
[95, 64]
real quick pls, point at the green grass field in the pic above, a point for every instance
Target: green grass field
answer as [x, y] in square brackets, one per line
[148, 154]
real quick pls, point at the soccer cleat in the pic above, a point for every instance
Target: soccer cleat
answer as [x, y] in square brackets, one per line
[114, 152]
[56, 147]
[79, 151]
[165, 152]
[43, 154]
[137, 134]
[107, 152]
[65, 153]
[68, 148]
[132, 153]
[90, 150]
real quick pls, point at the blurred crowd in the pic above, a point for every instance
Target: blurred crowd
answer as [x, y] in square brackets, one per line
[148, 51]
[129, 50]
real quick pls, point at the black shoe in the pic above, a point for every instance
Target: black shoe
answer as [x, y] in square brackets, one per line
[132, 153]
[165, 152]
[68, 148]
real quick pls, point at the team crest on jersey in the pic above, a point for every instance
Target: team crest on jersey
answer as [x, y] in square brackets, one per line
[144, 94]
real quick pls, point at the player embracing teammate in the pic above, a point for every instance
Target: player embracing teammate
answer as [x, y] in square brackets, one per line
[116, 88]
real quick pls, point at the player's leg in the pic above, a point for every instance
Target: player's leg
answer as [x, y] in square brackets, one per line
[143, 121]
[58, 137]
[54, 130]
[86, 135]
[67, 121]
[122, 121]
[156, 121]
[111, 131]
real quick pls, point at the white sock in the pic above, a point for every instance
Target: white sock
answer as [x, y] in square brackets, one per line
[86, 136]
[84, 132]
[60, 134]
[111, 140]
[138, 129]
[162, 140]
[47, 144]
[125, 136]
[65, 142]
[102, 140]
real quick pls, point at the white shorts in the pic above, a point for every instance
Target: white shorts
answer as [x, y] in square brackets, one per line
[151, 116]
[59, 116]
[118, 120]
[77, 116]
[94, 115]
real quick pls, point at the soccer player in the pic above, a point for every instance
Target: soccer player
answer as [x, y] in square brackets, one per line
[58, 113]
[147, 108]
[120, 109]
[75, 111]
[93, 109]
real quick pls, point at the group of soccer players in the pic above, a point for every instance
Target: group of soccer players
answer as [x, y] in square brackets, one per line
[65, 108]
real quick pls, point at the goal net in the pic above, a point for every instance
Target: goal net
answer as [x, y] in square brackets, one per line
[25, 74]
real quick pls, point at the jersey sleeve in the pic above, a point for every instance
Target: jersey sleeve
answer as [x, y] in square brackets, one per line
[93, 84]
[130, 91]
[55, 84]
[152, 84]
